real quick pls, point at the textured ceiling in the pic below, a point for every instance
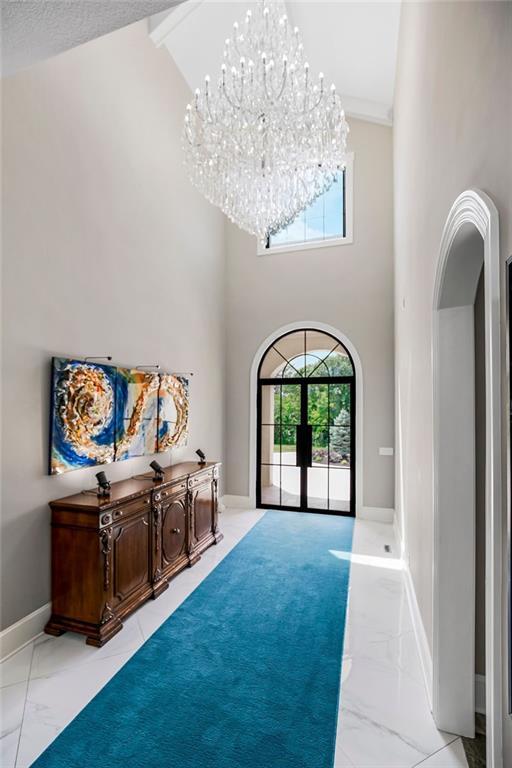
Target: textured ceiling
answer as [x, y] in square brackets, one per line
[32, 31]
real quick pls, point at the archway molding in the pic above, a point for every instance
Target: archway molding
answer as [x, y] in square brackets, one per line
[262, 349]
[470, 240]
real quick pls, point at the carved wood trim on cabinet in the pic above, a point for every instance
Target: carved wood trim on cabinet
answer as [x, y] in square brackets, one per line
[110, 555]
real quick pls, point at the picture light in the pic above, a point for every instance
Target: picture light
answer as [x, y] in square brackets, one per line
[103, 484]
[158, 470]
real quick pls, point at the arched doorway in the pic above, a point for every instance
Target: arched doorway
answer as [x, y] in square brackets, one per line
[469, 245]
[306, 426]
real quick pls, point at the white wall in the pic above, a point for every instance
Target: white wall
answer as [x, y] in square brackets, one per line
[453, 123]
[107, 249]
[349, 287]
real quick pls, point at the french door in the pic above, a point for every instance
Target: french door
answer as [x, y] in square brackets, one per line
[306, 444]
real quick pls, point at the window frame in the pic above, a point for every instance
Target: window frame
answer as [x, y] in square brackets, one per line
[310, 245]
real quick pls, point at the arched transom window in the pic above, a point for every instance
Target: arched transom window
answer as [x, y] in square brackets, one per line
[306, 354]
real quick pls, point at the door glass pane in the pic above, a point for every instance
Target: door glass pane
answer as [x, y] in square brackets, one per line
[270, 477]
[272, 365]
[293, 369]
[316, 367]
[290, 486]
[320, 452]
[289, 445]
[290, 404]
[338, 362]
[292, 348]
[318, 404]
[318, 348]
[339, 489]
[270, 404]
[270, 444]
[339, 445]
[318, 487]
[339, 403]
[319, 343]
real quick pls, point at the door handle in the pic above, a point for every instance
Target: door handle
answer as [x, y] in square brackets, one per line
[304, 440]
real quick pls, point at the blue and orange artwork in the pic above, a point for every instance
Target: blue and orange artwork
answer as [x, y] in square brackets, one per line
[102, 413]
[83, 415]
[136, 413]
[173, 400]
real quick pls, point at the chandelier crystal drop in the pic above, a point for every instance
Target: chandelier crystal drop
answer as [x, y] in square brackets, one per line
[265, 140]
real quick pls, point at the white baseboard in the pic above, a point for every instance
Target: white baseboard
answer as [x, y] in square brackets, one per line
[398, 537]
[419, 632]
[25, 630]
[236, 502]
[480, 694]
[377, 514]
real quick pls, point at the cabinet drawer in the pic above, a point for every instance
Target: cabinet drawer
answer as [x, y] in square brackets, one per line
[125, 510]
[204, 477]
[168, 493]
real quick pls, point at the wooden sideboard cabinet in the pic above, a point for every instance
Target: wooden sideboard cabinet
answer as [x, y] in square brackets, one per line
[111, 554]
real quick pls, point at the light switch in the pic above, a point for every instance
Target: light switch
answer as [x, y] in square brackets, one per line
[386, 451]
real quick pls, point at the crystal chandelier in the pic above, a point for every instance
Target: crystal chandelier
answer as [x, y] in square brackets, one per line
[264, 141]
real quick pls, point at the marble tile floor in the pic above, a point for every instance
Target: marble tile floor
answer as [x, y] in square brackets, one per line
[384, 719]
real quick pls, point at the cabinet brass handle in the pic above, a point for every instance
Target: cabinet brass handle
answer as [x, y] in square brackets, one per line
[176, 530]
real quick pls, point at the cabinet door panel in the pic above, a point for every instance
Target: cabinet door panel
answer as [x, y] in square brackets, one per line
[203, 512]
[130, 557]
[174, 531]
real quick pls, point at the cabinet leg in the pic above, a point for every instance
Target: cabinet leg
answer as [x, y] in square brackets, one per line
[53, 630]
[159, 587]
[104, 634]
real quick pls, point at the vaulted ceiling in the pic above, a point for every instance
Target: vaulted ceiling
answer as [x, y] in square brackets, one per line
[353, 43]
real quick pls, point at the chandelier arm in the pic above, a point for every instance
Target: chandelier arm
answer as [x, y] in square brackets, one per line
[284, 81]
[207, 104]
[191, 141]
[199, 115]
[228, 98]
[269, 95]
[241, 89]
[265, 83]
[237, 49]
[319, 101]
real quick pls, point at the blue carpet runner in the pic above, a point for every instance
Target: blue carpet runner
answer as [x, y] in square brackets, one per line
[244, 674]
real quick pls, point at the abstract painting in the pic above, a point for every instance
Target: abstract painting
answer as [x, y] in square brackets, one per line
[82, 415]
[173, 402]
[136, 413]
[101, 413]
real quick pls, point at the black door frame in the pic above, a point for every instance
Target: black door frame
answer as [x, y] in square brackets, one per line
[304, 382]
